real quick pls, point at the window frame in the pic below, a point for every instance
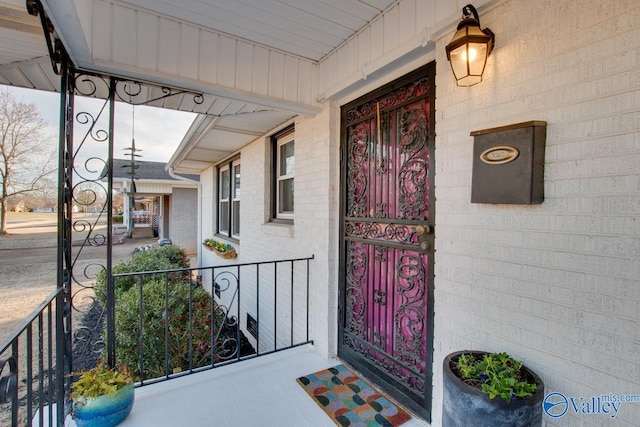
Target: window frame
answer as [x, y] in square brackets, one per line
[277, 141]
[233, 197]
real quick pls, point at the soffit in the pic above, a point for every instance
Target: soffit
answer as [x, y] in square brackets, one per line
[212, 139]
[24, 59]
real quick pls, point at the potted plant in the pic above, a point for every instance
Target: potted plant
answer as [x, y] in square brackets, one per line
[490, 389]
[102, 396]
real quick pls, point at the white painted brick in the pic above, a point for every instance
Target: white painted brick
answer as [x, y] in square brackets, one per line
[183, 229]
[570, 266]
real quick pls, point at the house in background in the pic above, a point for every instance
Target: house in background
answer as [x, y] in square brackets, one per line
[336, 130]
[14, 205]
[165, 204]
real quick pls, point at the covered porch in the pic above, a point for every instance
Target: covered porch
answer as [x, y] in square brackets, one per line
[259, 392]
[552, 280]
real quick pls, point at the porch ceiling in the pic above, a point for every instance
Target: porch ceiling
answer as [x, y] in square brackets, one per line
[211, 139]
[262, 52]
[255, 61]
[261, 61]
[24, 59]
[307, 28]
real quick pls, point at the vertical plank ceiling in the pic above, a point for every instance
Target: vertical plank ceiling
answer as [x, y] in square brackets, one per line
[307, 28]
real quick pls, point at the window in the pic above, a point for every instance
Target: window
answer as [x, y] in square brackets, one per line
[284, 171]
[229, 199]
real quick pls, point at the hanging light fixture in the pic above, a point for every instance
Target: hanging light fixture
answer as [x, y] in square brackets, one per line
[469, 49]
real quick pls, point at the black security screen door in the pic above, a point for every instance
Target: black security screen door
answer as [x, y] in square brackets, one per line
[386, 286]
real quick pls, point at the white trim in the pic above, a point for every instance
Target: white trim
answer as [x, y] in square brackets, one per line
[280, 142]
[234, 199]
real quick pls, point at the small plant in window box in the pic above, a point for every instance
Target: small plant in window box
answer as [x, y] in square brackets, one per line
[223, 250]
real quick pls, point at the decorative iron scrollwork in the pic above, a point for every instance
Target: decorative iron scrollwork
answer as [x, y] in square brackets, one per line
[414, 172]
[227, 284]
[86, 176]
[8, 380]
[404, 376]
[410, 316]
[356, 281]
[137, 93]
[393, 99]
[358, 181]
[400, 233]
[380, 297]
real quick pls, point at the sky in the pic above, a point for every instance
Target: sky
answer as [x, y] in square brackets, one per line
[158, 132]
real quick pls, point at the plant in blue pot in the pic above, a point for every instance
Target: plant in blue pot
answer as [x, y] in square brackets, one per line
[102, 396]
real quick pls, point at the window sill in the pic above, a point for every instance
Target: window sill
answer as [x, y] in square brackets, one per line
[282, 228]
[227, 239]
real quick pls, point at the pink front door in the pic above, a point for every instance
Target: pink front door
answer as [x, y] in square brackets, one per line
[386, 302]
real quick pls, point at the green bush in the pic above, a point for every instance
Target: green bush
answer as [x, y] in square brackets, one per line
[168, 257]
[177, 290]
[154, 320]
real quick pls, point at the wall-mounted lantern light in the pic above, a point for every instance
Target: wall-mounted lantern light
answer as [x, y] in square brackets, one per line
[469, 49]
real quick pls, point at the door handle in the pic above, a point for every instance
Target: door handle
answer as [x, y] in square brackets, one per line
[422, 229]
[423, 242]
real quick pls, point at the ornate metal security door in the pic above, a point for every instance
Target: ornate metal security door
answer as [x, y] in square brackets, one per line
[386, 302]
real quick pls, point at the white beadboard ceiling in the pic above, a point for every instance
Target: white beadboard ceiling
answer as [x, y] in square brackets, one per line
[131, 37]
[307, 28]
[24, 57]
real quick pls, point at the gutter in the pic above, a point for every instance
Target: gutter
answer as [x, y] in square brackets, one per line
[199, 127]
[199, 220]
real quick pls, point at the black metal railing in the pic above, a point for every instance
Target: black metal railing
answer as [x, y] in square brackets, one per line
[32, 383]
[208, 317]
[177, 322]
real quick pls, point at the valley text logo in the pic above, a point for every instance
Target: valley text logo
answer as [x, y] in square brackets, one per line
[556, 404]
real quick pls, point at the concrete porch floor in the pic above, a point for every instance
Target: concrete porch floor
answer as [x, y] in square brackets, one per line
[259, 392]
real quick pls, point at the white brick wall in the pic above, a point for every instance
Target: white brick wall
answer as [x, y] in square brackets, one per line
[557, 285]
[315, 228]
[183, 228]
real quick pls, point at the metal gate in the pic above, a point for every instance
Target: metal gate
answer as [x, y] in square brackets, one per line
[386, 298]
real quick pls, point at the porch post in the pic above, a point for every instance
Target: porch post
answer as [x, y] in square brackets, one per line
[64, 261]
[111, 301]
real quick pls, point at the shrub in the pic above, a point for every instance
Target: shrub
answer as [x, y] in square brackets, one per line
[168, 257]
[154, 320]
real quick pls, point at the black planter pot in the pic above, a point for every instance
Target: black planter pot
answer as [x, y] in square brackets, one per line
[464, 405]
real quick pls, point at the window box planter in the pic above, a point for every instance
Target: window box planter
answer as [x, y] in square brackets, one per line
[223, 250]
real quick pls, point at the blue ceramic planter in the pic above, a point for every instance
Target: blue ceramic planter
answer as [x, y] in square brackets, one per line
[105, 411]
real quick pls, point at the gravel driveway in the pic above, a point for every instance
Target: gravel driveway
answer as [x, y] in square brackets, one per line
[28, 268]
[28, 263]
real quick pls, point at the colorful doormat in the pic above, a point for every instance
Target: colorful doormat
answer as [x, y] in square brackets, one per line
[350, 401]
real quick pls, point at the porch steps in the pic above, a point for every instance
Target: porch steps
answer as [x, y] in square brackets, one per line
[142, 233]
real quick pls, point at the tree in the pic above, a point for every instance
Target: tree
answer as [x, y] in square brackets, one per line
[46, 197]
[26, 157]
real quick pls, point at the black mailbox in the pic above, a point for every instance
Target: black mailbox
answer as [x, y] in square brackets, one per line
[508, 164]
